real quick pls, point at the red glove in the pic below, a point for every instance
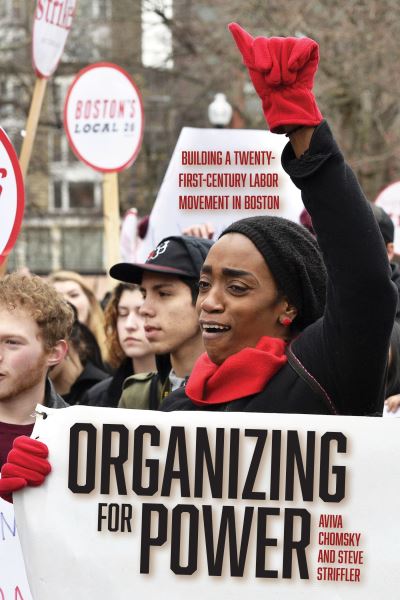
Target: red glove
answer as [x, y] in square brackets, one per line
[282, 71]
[26, 464]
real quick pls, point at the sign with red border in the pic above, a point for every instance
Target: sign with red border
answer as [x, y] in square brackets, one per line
[103, 117]
[11, 196]
[51, 25]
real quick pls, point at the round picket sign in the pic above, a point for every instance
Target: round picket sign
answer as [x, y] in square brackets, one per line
[51, 25]
[11, 196]
[103, 117]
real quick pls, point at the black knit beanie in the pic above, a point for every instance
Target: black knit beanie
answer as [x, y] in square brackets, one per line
[294, 259]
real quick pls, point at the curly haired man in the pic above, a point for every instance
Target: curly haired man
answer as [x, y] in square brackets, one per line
[35, 323]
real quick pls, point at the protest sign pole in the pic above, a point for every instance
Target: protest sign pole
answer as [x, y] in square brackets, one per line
[3, 268]
[111, 219]
[32, 123]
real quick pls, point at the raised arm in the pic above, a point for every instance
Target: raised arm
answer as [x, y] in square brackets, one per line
[347, 350]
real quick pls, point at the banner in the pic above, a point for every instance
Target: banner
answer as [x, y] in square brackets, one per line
[212, 505]
[13, 582]
[221, 176]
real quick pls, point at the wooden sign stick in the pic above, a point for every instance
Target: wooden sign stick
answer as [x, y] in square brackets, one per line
[32, 123]
[111, 219]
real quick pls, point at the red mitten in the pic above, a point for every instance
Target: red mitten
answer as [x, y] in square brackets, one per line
[26, 464]
[282, 71]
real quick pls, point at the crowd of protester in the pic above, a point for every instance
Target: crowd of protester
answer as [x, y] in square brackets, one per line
[269, 318]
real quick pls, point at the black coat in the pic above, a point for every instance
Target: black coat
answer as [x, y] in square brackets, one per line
[345, 352]
[108, 392]
[90, 376]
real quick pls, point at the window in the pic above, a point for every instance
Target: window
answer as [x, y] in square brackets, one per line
[102, 9]
[13, 9]
[33, 250]
[95, 9]
[38, 258]
[59, 150]
[14, 98]
[17, 9]
[156, 35]
[75, 196]
[56, 147]
[82, 249]
[81, 194]
[51, 245]
[73, 187]
[57, 191]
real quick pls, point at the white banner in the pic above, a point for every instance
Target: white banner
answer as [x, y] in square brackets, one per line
[213, 505]
[220, 176]
[13, 582]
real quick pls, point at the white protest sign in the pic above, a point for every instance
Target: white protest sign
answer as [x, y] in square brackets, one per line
[11, 196]
[51, 25]
[389, 200]
[103, 117]
[221, 176]
[13, 582]
[212, 505]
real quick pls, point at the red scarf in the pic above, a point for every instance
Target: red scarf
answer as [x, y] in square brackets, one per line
[242, 374]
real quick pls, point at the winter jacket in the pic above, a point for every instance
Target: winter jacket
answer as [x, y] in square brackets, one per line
[108, 391]
[90, 376]
[142, 391]
[147, 390]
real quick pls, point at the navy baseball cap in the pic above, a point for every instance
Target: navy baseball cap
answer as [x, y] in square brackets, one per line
[182, 256]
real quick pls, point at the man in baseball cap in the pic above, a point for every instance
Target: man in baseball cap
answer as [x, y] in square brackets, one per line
[182, 256]
[169, 282]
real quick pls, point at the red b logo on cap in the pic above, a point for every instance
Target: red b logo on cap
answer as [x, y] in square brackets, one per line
[161, 248]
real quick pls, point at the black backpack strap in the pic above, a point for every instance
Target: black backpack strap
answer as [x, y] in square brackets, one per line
[154, 394]
[302, 372]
